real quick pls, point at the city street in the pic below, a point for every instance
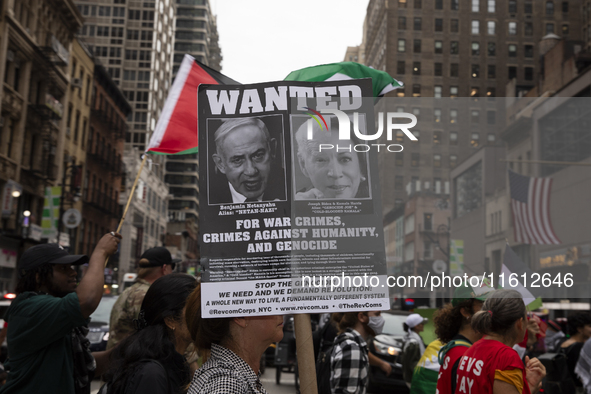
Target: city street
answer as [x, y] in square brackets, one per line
[287, 385]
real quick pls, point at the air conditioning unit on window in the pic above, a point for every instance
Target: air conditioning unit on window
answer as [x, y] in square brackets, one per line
[76, 83]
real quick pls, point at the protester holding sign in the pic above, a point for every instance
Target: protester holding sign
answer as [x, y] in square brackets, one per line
[334, 173]
[454, 330]
[491, 365]
[349, 359]
[236, 344]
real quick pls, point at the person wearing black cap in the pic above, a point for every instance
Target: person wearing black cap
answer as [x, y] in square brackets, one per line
[47, 345]
[154, 263]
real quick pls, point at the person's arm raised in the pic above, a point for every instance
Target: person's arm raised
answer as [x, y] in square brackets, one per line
[90, 288]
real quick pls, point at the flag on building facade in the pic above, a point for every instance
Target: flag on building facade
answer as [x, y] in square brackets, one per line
[382, 81]
[176, 130]
[530, 203]
[513, 272]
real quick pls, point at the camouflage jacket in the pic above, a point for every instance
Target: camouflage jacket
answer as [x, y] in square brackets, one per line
[126, 308]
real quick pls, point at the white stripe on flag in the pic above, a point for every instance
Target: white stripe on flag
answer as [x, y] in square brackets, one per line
[539, 206]
[546, 212]
[525, 293]
[533, 210]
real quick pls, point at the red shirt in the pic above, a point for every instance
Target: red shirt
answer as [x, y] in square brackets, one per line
[445, 371]
[476, 372]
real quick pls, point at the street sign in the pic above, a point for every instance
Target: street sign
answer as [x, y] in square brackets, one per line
[439, 266]
[72, 218]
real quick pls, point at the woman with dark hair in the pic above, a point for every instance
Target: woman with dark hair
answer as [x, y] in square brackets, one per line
[454, 330]
[349, 360]
[236, 345]
[491, 365]
[579, 329]
[337, 172]
[151, 360]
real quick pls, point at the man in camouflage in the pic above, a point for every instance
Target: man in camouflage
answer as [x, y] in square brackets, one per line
[154, 263]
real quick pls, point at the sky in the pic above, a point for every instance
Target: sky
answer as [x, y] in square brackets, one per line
[264, 40]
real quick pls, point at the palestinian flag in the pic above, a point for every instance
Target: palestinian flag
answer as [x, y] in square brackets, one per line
[425, 374]
[514, 268]
[176, 130]
[382, 81]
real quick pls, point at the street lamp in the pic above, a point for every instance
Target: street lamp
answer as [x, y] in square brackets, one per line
[27, 213]
[16, 193]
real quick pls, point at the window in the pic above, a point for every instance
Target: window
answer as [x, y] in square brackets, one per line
[418, 24]
[453, 138]
[104, 11]
[491, 117]
[399, 182]
[438, 4]
[416, 68]
[436, 160]
[492, 49]
[475, 116]
[437, 92]
[490, 92]
[438, 46]
[415, 159]
[475, 71]
[400, 66]
[528, 73]
[528, 29]
[454, 47]
[438, 24]
[512, 29]
[549, 8]
[401, 45]
[490, 28]
[453, 161]
[491, 138]
[475, 48]
[549, 28]
[117, 32]
[454, 70]
[437, 114]
[401, 23]
[453, 91]
[475, 140]
[512, 50]
[416, 46]
[492, 71]
[102, 31]
[491, 6]
[437, 136]
[438, 69]
[475, 5]
[401, 3]
[418, 4]
[565, 29]
[399, 159]
[528, 51]
[416, 90]
[455, 5]
[565, 7]
[527, 8]
[474, 91]
[512, 6]
[133, 34]
[475, 27]
[453, 116]
[454, 26]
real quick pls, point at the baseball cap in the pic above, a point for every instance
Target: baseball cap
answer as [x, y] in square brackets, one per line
[157, 257]
[48, 253]
[466, 292]
[414, 320]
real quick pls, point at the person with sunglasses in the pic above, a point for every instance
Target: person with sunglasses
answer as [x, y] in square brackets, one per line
[154, 263]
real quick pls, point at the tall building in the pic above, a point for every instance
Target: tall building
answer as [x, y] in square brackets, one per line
[35, 53]
[134, 40]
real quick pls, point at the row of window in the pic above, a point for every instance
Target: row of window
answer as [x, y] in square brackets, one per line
[453, 138]
[76, 129]
[453, 118]
[491, 26]
[93, 10]
[454, 48]
[491, 6]
[475, 72]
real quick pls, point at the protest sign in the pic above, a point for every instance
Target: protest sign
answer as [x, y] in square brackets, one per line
[290, 213]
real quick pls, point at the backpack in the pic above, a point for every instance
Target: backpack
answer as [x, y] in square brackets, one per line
[443, 351]
[323, 360]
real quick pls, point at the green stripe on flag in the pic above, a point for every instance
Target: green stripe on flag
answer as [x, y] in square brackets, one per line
[535, 304]
[185, 152]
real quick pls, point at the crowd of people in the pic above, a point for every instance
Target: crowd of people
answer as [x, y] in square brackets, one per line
[161, 343]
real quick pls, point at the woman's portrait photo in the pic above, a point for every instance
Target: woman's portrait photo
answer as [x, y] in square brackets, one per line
[326, 167]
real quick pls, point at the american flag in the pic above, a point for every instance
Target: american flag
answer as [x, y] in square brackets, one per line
[530, 203]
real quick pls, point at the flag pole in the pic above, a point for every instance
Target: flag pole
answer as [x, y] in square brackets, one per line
[130, 197]
[305, 352]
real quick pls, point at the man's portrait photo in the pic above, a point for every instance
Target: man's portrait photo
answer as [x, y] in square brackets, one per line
[247, 160]
[322, 172]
